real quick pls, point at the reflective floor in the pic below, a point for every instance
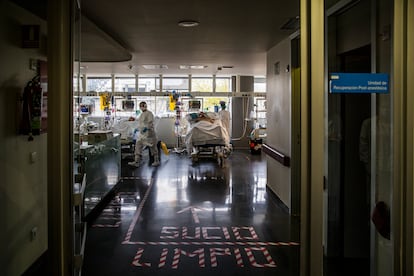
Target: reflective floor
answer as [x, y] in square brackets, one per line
[193, 219]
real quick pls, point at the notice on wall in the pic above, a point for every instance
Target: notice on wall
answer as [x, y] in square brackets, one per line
[359, 83]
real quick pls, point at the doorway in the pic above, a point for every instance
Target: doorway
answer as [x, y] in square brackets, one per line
[348, 236]
[347, 186]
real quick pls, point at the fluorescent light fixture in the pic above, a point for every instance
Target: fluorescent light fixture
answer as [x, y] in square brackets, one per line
[197, 67]
[188, 23]
[154, 66]
[225, 67]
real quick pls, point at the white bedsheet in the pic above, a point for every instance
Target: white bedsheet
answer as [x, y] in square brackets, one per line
[206, 132]
[126, 128]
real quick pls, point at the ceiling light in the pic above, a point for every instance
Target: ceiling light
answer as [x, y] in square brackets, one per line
[154, 66]
[184, 67]
[225, 67]
[188, 23]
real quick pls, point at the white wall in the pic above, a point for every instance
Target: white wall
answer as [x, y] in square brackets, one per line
[23, 186]
[278, 104]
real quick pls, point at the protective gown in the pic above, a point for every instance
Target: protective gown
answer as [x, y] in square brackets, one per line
[147, 136]
[225, 119]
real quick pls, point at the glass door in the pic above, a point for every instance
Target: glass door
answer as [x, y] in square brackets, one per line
[358, 141]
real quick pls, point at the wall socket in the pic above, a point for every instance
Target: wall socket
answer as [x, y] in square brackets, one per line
[33, 234]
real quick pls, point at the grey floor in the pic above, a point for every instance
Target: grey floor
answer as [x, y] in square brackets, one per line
[185, 218]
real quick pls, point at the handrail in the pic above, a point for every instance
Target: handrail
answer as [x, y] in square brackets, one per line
[277, 155]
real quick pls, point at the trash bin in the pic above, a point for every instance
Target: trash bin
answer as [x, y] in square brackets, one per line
[255, 146]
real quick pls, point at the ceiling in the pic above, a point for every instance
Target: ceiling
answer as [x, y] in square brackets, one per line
[120, 36]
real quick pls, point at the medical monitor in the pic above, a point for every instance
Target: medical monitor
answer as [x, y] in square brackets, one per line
[194, 105]
[85, 109]
[128, 105]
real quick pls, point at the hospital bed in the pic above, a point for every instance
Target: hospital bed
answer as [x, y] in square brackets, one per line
[127, 128]
[206, 137]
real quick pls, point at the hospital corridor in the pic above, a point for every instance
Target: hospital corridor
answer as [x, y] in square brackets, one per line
[185, 218]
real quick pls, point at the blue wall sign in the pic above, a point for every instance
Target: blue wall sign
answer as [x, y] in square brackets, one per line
[358, 83]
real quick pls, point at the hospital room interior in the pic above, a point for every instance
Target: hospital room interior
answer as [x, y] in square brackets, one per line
[202, 138]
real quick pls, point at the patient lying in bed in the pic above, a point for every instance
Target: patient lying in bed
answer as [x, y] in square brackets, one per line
[206, 129]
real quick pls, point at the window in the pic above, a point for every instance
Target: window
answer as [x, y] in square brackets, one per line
[259, 84]
[178, 84]
[99, 84]
[147, 84]
[202, 84]
[260, 111]
[223, 84]
[125, 84]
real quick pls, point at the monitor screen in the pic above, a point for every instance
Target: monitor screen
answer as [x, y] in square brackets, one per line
[84, 109]
[194, 104]
[128, 105]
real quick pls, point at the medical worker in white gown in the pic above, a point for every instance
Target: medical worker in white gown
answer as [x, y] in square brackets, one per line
[225, 117]
[146, 137]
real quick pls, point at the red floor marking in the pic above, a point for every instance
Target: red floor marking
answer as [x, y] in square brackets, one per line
[214, 252]
[173, 233]
[214, 243]
[239, 258]
[202, 254]
[226, 233]
[178, 252]
[196, 234]
[253, 261]
[195, 216]
[163, 257]
[251, 230]
[209, 232]
[137, 258]
[205, 233]
[138, 212]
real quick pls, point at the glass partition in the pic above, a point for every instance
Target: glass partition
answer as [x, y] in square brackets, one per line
[358, 141]
[79, 229]
[101, 162]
